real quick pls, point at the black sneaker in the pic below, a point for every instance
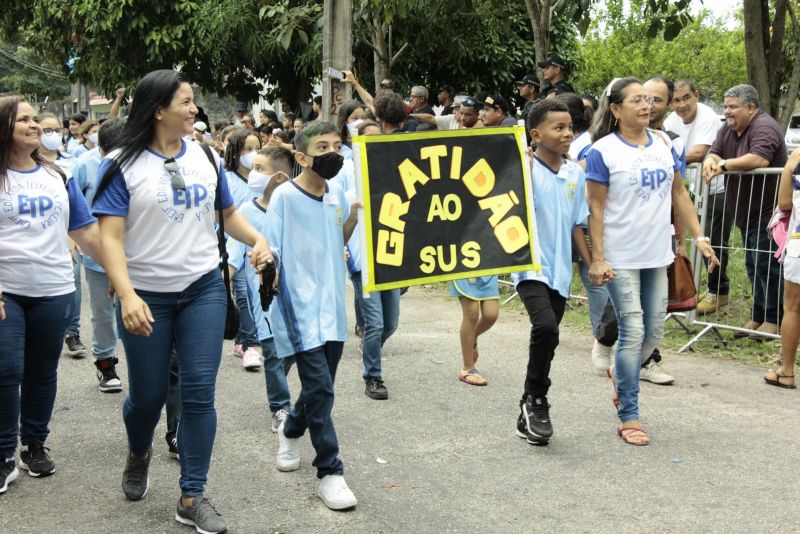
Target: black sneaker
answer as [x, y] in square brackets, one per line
[135, 481]
[534, 420]
[75, 348]
[359, 331]
[202, 516]
[107, 375]
[172, 443]
[34, 459]
[8, 474]
[375, 389]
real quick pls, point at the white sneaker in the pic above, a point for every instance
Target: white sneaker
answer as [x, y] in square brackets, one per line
[601, 357]
[288, 452]
[335, 493]
[277, 419]
[251, 359]
[653, 372]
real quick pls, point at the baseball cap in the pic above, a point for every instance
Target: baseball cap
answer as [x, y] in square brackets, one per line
[529, 79]
[496, 101]
[200, 126]
[555, 61]
[386, 83]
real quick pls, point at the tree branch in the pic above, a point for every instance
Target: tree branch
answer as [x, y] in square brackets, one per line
[398, 54]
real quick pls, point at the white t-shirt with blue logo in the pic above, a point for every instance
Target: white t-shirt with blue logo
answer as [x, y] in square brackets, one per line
[306, 234]
[85, 174]
[238, 259]
[36, 212]
[637, 231]
[559, 200]
[170, 240]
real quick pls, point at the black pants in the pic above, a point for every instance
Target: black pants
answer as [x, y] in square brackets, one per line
[719, 221]
[545, 308]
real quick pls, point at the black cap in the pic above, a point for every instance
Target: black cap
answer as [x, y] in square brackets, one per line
[529, 79]
[554, 61]
[496, 101]
[447, 89]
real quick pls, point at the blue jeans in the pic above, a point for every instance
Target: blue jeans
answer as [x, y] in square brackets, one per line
[312, 410]
[765, 274]
[381, 311]
[104, 329]
[194, 320]
[74, 325]
[275, 371]
[604, 323]
[247, 335]
[640, 300]
[32, 334]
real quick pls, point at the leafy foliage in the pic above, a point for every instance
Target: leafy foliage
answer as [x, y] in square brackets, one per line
[30, 74]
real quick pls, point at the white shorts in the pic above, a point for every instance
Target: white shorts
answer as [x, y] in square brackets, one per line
[791, 269]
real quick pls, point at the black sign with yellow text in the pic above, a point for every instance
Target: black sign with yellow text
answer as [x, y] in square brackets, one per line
[444, 205]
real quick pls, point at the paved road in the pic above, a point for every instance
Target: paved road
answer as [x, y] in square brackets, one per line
[723, 457]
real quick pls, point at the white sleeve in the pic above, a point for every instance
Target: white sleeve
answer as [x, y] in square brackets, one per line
[707, 128]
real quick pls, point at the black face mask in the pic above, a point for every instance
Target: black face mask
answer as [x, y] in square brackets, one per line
[327, 165]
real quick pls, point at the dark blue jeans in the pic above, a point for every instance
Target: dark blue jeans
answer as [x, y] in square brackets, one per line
[194, 320]
[247, 335]
[381, 312]
[312, 410]
[275, 371]
[765, 274]
[30, 344]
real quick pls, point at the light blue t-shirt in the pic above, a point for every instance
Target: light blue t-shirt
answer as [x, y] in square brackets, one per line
[79, 150]
[240, 192]
[346, 179]
[238, 259]
[306, 234]
[559, 200]
[86, 176]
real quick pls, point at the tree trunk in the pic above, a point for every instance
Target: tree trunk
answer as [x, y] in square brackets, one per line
[380, 53]
[756, 51]
[539, 14]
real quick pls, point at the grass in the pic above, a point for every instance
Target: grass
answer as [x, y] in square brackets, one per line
[737, 312]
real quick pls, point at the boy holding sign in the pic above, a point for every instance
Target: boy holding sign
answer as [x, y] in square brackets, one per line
[560, 205]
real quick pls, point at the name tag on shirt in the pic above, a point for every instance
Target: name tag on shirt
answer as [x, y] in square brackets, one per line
[329, 199]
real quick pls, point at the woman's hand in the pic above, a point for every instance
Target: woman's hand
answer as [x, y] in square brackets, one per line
[600, 273]
[136, 316]
[707, 251]
[261, 254]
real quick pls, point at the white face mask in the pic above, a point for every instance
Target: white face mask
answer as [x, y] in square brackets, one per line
[353, 127]
[246, 160]
[257, 182]
[51, 141]
[93, 138]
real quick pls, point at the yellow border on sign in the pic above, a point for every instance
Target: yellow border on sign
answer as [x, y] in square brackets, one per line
[362, 141]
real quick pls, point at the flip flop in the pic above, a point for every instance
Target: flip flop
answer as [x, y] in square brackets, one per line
[628, 432]
[472, 377]
[777, 380]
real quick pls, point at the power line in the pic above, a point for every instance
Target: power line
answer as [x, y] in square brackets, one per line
[37, 68]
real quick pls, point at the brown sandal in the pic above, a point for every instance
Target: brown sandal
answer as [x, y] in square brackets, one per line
[627, 433]
[776, 381]
[472, 377]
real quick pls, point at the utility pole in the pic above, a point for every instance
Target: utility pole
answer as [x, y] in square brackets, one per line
[337, 38]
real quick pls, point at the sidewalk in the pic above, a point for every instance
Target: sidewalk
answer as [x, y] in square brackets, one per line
[723, 455]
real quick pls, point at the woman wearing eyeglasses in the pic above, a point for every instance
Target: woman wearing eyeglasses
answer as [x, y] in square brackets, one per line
[156, 203]
[41, 207]
[634, 184]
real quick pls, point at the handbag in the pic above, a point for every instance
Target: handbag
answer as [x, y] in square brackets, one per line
[682, 292]
[232, 314]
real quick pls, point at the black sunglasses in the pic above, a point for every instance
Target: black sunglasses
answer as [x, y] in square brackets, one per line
[471, 102]
[176, 180]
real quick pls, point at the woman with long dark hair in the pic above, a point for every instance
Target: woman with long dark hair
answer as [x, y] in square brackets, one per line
[348, 114]
[156, 203]
[42, 210]
[634, 182]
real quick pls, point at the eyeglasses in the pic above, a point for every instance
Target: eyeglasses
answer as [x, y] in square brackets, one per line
[176, 180]
[638, 99]
[49, 131]
[471, 102]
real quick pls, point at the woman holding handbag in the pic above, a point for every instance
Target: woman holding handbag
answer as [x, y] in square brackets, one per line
[633, 181]
[156, 203]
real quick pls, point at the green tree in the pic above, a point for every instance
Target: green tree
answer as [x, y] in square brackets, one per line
[705, 51]
[23, 72]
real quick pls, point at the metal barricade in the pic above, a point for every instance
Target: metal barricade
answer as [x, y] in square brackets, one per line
[750, 264]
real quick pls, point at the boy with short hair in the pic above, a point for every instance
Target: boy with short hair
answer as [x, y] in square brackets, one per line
[558, 187]
[271, 167]
[308, 223]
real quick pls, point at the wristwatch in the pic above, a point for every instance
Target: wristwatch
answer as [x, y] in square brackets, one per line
[723, 164]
